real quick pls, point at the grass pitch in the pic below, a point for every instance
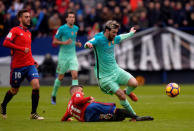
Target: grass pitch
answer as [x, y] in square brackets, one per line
[171, 114]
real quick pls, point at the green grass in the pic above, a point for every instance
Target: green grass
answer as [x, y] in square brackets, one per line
[171, 114]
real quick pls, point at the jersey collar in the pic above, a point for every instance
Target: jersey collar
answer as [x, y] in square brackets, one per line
[23, 28]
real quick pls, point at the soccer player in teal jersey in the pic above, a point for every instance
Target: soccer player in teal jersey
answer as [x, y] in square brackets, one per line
[67, 59]
[109, 74]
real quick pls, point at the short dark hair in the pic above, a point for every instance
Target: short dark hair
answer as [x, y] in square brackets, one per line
[74, 86]
[20, 13]
[69, 12]
[112, 24]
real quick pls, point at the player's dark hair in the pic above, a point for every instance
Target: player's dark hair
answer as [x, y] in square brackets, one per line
[69, 12]
[20, 13]
[74, 86]
[111, 24]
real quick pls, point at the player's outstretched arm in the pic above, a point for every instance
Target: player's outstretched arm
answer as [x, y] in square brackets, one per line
[58, 42]
[127, 35]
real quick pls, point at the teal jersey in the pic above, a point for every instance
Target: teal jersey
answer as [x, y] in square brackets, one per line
[104, 53]
[65, 33]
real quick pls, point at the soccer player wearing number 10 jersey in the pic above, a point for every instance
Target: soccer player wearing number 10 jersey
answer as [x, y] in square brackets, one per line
[22, 63]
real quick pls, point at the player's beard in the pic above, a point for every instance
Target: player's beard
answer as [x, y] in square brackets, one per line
[110, 38]
[26, 24]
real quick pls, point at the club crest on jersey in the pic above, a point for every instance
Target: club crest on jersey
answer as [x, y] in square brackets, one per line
[21, 34]
[109, 43]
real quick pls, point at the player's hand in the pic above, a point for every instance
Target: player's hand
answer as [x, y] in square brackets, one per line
[79, 44]
[69, 119]
[92, 99]
[89, 45]
[133, 30]
[68, 42]
[26, 50]
[36, 64]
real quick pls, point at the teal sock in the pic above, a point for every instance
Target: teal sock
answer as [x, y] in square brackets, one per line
[56, 86]
[129, 90]
[127, 106]
[74, 82]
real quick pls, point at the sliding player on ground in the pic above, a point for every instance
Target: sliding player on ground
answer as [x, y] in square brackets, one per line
[85, 109]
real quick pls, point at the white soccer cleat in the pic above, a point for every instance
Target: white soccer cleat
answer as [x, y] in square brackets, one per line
[35, 116]
[4, 116]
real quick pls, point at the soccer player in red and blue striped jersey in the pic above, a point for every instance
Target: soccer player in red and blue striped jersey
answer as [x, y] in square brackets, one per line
[22, 63]
[86, 109]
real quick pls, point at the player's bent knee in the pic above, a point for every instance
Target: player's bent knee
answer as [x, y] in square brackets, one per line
[133, 82]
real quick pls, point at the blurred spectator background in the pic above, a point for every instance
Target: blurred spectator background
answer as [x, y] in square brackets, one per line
[48, 15]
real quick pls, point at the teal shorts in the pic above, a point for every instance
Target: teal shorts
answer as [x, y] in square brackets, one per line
[110, 84]
[66, 65]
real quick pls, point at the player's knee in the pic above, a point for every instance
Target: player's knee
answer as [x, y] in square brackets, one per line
[74, 77]
[14, 91]
[121, 95]
[36, 86]
[60, 77]
[133, 82]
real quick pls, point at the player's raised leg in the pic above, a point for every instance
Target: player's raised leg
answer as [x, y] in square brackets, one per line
[57, 84]
[74, 75]
[35, 99]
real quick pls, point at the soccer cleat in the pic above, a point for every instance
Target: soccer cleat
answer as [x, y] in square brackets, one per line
[143, 118]
[53, 100]
[3, 112]
[132, 96]
[35, 116]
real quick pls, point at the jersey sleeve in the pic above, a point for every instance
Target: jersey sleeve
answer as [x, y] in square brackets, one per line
[117, 39]
[11, 35]
[66, 115]
[93, 41]
[9, 40]
[79, 98]
[59, 33]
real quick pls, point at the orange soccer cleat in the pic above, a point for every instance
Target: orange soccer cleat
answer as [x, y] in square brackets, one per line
[132, 96]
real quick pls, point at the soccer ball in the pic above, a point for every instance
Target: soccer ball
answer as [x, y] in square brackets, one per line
[172, 89]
